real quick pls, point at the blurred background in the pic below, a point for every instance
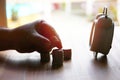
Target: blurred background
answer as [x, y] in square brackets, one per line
[72, 19]
[20, 12]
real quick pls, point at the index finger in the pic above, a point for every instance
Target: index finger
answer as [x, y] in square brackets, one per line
[56, 42]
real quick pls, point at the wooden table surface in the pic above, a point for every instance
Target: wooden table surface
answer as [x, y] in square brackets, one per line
[74, 33]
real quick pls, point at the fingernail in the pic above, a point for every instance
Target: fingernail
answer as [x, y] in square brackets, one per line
[55, 38]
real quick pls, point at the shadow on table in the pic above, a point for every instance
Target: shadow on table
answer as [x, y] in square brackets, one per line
[15, 60]
[101, 61]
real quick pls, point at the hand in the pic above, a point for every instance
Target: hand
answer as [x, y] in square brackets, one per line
[47, 31]
[36, 36]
